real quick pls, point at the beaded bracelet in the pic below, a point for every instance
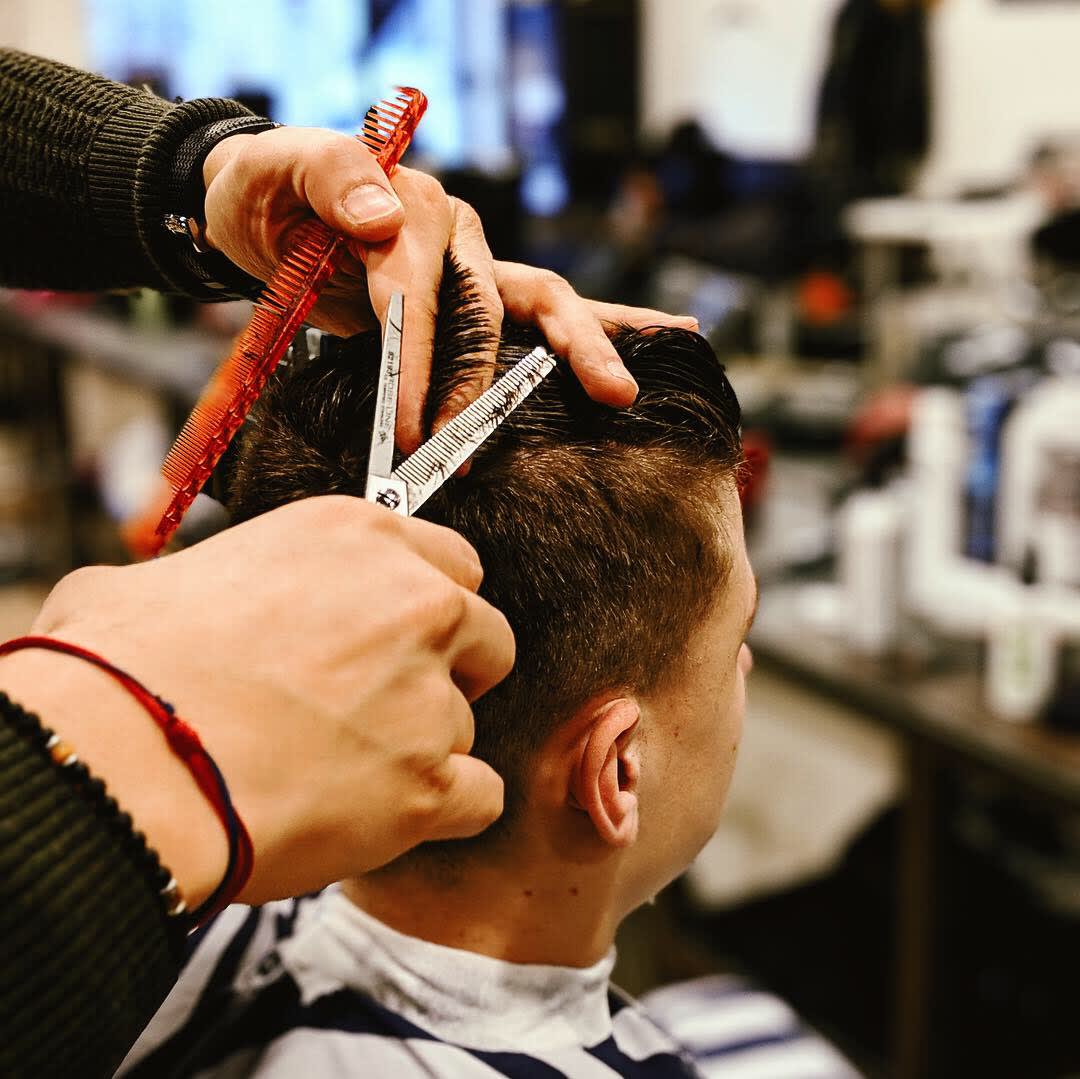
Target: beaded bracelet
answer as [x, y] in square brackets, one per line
[185, 743]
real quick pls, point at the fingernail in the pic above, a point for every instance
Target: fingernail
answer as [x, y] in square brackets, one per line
[369, 202]
[688, 321]
[616, 370]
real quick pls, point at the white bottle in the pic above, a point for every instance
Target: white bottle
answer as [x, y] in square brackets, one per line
[937, 460]
[869, 570]
[1040, 442]
[1056, 539]
[1021, 656]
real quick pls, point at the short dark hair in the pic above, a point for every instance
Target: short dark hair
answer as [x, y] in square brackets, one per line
[598, 528]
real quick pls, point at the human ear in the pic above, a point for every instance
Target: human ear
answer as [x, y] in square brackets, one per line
[604, 782]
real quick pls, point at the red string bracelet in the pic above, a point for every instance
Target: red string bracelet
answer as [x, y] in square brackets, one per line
[185, 743]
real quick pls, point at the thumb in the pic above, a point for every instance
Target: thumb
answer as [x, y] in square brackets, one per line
[351, 193]
[472, 799]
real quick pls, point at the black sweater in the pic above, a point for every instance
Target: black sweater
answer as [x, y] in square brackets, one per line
[86, 952]
[85, 171]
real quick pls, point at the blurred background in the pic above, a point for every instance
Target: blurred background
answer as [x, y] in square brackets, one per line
[873, 208]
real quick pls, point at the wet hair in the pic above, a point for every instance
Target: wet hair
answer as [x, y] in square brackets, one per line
[599, 529]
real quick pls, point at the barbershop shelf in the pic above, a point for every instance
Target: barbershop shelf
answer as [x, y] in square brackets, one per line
[938, 703]
[176, 361]
[942, 988]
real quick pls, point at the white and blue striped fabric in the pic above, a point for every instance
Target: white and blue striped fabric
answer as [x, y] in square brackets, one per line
[317, 989]
[734, 1030]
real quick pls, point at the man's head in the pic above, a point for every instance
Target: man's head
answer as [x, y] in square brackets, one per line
[612, 542]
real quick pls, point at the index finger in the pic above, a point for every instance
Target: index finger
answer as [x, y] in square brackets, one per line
[547, 301]
[412, 263]
[577, 329]
[407, 267]
[639, 318]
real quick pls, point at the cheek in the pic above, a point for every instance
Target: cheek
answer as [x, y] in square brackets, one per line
[708, 751]
[708, 772]
[727, 722]
[731, 700]
[736, 701]
[745, 660]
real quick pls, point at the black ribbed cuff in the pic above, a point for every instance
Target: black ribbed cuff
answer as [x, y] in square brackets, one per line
[185, 192]
[206, 277]
[112, 168]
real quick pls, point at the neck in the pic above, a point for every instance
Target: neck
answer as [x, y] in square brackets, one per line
[522, 911]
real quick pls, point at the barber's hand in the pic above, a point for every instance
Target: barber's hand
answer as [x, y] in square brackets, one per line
[412, 260]
[326, 653]
[260, 188]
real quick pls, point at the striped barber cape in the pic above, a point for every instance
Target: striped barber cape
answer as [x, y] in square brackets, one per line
[316, 988]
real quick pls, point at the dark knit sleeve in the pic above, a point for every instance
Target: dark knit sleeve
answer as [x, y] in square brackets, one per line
[87, 952]
[84, 164]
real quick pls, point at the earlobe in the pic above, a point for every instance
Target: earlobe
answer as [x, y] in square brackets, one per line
[605, 781]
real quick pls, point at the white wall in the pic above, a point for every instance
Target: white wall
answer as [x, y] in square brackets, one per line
[52, 28]
[1005, 76]
[748, 70]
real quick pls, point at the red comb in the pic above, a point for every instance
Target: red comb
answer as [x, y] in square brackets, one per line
[279, 312]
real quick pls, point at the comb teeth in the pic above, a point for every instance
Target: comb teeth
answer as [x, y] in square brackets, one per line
[285, 302]
[389, 124]
[221, 410]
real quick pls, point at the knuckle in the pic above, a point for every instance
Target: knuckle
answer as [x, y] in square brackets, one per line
[425, 308]
[424, 188]
[465, 552]
[467, 224]
[333, 151]
[465, 214]
[77, 582]
[444, 702]
[438, 781]
[428, 186]
[456, 402]
[553, 292]
[492, 303]
[458, 729]
[432, 604]
[466, 734]
[556, 283]
[336, 521]
[429, 798]
[430, 783]
[69, 593]
[449, 609]
[472, 571]
[509, 654]
[327, 512]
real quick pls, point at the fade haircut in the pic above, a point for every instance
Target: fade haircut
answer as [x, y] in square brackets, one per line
[599, 529]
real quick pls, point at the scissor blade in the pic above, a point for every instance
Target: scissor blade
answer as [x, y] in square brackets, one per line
[443, 454]
[381, 457]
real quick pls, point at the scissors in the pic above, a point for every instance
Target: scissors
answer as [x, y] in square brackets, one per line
[406, 488]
